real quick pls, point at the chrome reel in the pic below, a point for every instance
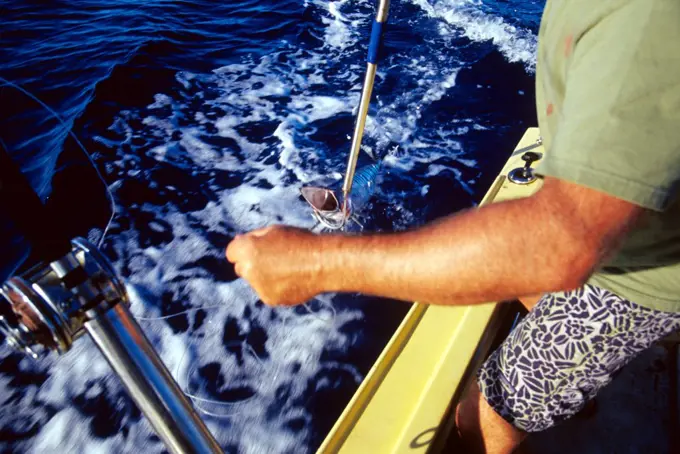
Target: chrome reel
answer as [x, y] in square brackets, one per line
[46, 307]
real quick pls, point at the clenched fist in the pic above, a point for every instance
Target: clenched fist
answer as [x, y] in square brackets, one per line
[284, 265]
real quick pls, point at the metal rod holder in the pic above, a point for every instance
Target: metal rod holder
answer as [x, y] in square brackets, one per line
[53, 304]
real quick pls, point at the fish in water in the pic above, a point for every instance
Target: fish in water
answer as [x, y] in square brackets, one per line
[363, 186]
[333, 214]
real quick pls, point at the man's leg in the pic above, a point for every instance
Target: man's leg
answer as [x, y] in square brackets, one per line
[557, 359]
[481, 429]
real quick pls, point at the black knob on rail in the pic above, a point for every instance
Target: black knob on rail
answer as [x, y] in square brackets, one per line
[529, 157]
[525, 175]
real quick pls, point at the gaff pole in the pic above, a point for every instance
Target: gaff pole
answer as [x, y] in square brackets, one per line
[371, 68]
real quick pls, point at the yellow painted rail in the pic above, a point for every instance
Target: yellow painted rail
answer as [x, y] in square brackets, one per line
[407, 395]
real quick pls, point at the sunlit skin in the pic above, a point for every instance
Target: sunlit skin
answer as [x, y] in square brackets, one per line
[551, 241]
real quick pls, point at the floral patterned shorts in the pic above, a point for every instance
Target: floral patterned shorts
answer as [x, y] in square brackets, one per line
[564, 351]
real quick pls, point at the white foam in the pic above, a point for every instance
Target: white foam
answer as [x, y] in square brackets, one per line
[337, 31]
[160, 100]
[295, 339]
[517, 44]
[320, 107]
[283, 96]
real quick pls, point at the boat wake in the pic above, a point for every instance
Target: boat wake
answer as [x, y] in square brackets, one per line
[208, 123]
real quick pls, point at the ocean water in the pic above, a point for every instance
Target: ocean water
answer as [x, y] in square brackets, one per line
[205, 119]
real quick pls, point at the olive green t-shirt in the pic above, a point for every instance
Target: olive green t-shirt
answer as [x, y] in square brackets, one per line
[608, 99]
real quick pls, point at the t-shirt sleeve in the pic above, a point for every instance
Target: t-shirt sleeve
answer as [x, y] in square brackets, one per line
[619, 127]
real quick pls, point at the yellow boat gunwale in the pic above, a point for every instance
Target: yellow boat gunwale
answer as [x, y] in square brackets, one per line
[406, 400]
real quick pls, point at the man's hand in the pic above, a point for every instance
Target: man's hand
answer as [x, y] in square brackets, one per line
[282, 264]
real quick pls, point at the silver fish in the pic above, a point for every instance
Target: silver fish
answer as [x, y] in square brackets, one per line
[326, 206]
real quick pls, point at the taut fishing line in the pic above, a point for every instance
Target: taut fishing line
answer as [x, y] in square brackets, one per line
[109, 194]
[309, 310]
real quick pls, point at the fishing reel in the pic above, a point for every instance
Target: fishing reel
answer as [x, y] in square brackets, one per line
[45, 309]
[69, 282]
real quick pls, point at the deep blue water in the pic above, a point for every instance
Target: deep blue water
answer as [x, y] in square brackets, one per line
[205, 119]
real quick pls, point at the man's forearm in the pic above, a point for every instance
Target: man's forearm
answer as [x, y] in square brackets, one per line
[548, 242]
[476, 256]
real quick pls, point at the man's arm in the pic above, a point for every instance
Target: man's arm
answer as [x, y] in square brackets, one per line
[550, 241]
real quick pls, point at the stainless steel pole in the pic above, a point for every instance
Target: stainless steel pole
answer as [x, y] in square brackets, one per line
[149, 383]
[372, 66]
[75, 290]
[52, 304]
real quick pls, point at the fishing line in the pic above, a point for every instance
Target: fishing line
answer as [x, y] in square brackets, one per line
[209, 413]
[194, 398]
[247, 351]
[310, 311]
[177, 314]
[233, 409]
[245, 348]
[290, 311]
[329, 306]
[82, 147]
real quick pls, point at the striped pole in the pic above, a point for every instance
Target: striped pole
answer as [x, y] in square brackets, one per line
[372, 66]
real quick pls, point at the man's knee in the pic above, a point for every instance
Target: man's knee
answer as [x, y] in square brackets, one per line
[481, 429]
[467, 420]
